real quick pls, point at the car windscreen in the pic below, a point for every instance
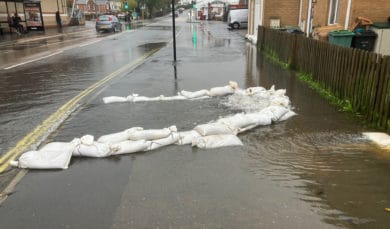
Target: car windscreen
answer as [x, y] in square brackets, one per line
[104, 18]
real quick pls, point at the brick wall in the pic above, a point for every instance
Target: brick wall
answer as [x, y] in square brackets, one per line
[320, 13]
[375, 10]
[305, 5]
[286, 10]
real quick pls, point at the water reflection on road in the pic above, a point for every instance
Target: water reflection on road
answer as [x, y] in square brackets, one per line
[320, 154]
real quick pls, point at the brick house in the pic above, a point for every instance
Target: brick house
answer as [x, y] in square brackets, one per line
[271, 13]
[282, 13]
[342, 12]
[93, 6]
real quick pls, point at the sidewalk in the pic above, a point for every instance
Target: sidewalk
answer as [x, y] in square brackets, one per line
[12, 38]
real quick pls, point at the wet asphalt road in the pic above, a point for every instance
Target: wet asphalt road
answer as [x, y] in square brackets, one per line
[312, 171]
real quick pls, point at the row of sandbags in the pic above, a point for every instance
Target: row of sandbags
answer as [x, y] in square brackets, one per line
[182, 95]
[250, 100]
[57, 155]
[222, 132]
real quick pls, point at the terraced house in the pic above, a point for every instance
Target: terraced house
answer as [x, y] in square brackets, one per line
[311, 14]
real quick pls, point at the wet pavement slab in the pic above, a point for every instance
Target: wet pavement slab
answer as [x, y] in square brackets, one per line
[312, 171]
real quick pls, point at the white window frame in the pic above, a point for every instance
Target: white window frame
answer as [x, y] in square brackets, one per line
[335, 18]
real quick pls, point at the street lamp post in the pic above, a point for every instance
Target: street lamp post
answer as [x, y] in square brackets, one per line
[174, 30]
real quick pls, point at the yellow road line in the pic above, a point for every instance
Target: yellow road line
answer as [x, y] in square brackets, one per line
[63, 112]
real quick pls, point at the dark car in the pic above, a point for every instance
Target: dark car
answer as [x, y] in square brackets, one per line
[108, 23]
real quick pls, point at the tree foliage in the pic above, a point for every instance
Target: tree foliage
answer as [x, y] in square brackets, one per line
[131, 3]
[155, 5]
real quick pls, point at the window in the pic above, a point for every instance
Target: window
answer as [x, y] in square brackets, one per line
[333, 11]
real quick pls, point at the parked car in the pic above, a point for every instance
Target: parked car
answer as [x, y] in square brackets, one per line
[238, 18]
[108, 23]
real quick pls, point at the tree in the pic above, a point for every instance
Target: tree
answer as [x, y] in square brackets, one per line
[131, 4]
[153, 5]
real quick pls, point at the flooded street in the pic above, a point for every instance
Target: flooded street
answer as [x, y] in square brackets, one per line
[314, 170]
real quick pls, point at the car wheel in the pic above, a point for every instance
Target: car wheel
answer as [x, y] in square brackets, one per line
[236, 25]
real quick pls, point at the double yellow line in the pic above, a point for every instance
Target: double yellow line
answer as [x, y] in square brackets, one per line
[61, 114]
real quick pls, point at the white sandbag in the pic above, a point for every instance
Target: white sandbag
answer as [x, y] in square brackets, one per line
[280, 92]
[260, 119]
[128, 146]
[155, 144]
[246, 121]
[58, 146]
[225, 90]
[89, 148]
[272, 90]
[288, 115]
[280, 101]
[257, 119]
[215, 141]
[221, 91]
[176, 97]
[262, 95]
[255, 90]
[274, 112]
[379, 138]
[55, 155]
[202, 97]
[241, 130]
[215, 128]
[143, 99]
[238, 121]
[186, 137]
[114, 99]
[195, 94]
[118, 137]
[151, 134]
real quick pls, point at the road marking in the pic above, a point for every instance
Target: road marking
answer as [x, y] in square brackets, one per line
[54, 120]
[11, 186]
[40, 58]
[89, 43]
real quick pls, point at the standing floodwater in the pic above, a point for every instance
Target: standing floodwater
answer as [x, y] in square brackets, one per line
[323, 154]
[312, 171]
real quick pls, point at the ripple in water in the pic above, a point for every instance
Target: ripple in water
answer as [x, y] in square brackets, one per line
[337, 173]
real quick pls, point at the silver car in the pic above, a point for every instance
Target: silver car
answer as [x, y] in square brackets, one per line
[108, 23]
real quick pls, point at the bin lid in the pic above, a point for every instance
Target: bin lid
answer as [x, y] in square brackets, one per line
[343, 33]
[381, 25]
[365, 33]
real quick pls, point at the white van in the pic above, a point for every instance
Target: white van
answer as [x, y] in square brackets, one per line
[238, 18]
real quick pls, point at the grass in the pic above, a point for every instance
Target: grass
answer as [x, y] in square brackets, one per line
[345, 105]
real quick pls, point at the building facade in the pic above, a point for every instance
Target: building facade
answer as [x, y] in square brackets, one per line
[310, 14]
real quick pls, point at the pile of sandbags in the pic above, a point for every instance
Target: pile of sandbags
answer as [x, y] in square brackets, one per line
[260, 107]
